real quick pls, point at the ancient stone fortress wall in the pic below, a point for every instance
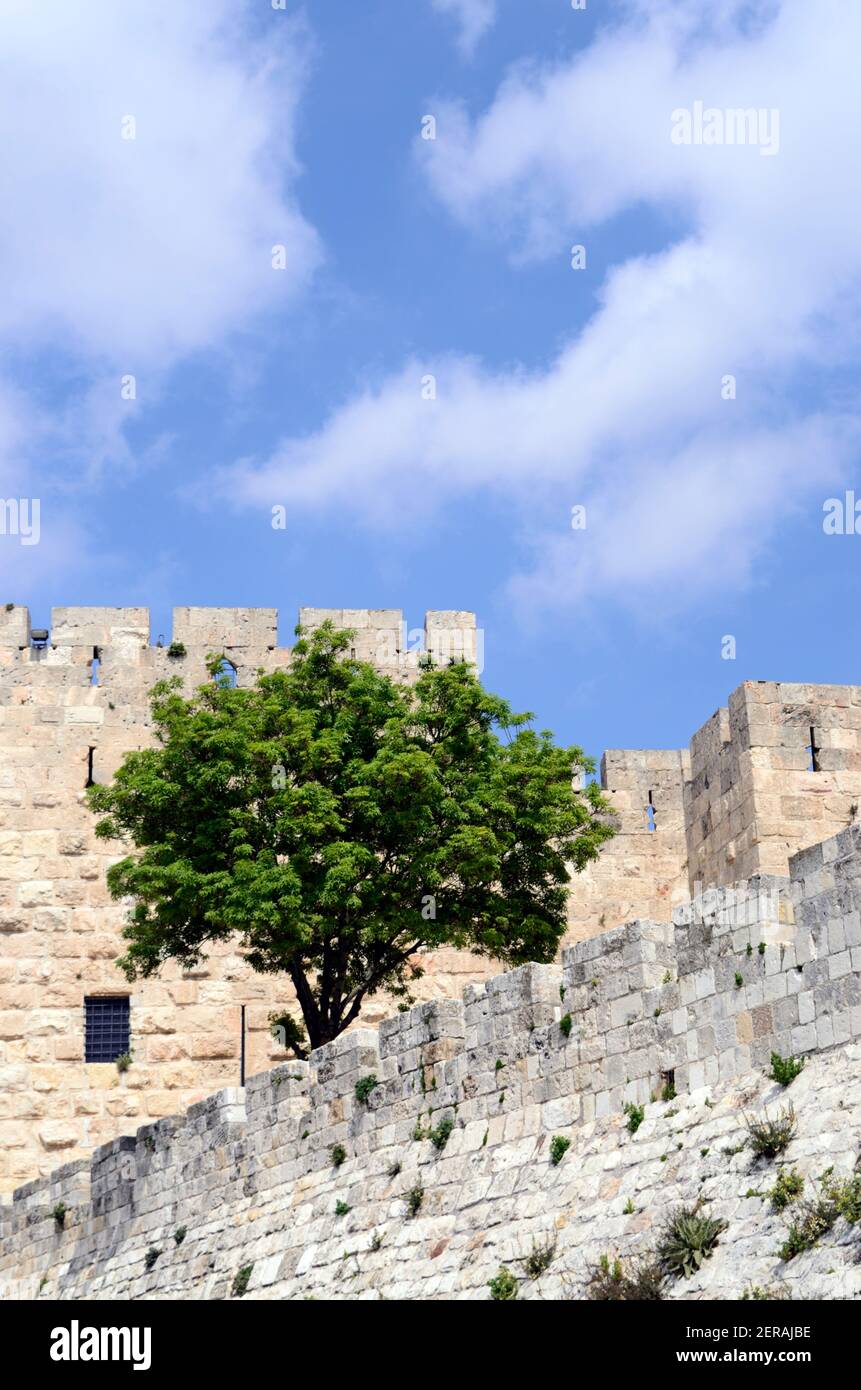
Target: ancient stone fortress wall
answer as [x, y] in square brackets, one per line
[643, 871]
[72, 705]
[754, 787]
[425, 1184]
[777, 770]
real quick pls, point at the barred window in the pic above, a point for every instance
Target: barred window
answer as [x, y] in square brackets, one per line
[107, 1028]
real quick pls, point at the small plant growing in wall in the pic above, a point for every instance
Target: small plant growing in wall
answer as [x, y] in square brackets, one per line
[341, 1208]
[668, 1090]
[376, 1241]
[739, 979]
[635, 1281]
[784, 1070]
[768, 1138]
[565, 1024]
[636, 1115]
[364, 1087]
[788, 1187]
[179, 1235]
[415, 1197]
[813, 1220]
[773, 1293]
[439, 1136]
[176, 650]
[539, 1259]
[687, 1240]
[241, 1280]
[814, 1217]
[559, 1146]
[59, 1215]
[123, 1062]
[338, 1155]
[503, 1286]
[150, 1257]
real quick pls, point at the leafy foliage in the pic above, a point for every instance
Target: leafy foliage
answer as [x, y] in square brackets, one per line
[503, 1286]
[636, 1115]
[811, 1221]
[813, 1218]
[338, 822]
[768, 1137]
[785, 1069]
[290, 1034]
[687, 1240]
[788, 1186]
[559, 1146]
[364, 1087]
[439, 1135]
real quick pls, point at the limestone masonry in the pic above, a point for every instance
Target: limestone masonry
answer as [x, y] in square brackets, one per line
[427, 1183]
[778, 770]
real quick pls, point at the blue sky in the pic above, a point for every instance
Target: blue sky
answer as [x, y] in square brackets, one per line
[556, 387]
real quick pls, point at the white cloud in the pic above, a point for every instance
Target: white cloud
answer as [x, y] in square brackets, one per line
[142, 250]
[124, 256]
[684, 489]
[474, 18]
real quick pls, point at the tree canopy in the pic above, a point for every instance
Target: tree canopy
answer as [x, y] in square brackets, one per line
[337, 822]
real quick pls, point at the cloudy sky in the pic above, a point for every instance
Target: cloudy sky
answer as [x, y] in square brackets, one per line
[237, 275]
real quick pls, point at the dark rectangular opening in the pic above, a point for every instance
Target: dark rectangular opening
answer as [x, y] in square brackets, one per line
[814, 750]
[107, 1027]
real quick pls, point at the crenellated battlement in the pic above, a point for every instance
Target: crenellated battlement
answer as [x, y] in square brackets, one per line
[644, 1010]
[247, 637]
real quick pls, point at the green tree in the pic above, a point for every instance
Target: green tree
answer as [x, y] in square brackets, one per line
[338, 822]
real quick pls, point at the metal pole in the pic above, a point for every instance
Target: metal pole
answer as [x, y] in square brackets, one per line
[242, 1049]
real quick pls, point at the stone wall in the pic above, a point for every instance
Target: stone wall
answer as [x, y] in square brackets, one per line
[755, 796]
[70, 708]
[298, 1188]
[739, 802]
[59, 930]
[643, 871]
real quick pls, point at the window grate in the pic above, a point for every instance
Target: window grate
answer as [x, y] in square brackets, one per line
[107, 1028]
